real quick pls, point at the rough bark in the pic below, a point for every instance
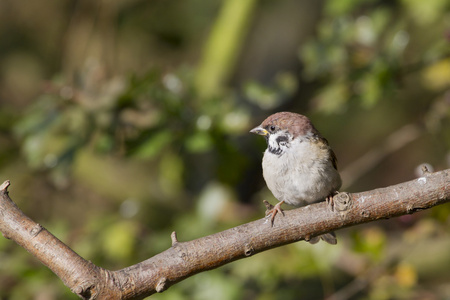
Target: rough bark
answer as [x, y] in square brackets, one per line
[185, 259]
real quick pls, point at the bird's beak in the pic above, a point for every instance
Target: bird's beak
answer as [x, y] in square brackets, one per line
[259, 130]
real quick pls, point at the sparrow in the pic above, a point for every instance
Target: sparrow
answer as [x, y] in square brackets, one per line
[299, 166]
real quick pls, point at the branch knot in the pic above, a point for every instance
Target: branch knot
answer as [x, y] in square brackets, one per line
[248, 249]
[342, 203]
[36, 230]
[162, 285]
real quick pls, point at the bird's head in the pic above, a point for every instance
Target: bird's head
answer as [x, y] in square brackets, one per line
[282, 128]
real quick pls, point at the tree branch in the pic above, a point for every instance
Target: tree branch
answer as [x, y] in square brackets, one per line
[185, 259]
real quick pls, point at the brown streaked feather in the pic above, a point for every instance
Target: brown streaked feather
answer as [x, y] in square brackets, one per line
[332, 154]
[333, 159]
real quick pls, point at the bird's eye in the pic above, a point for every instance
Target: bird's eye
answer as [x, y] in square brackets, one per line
[272, 128]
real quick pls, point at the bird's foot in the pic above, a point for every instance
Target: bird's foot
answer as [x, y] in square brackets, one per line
[273, 210]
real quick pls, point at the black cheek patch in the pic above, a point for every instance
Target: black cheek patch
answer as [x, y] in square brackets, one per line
[282, 140]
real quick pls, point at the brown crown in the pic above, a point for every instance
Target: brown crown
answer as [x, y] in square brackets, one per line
[296, 124]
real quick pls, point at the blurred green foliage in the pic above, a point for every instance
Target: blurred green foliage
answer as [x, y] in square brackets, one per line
[121, 122]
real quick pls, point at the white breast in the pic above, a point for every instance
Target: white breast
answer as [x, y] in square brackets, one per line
[303, 174]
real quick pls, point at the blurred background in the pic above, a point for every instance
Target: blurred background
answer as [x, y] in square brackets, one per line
[122, 121]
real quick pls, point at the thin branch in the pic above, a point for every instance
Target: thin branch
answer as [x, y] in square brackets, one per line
[184, 259]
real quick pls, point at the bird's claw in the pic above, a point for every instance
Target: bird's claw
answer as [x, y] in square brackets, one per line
[273, 210]
[330, 201]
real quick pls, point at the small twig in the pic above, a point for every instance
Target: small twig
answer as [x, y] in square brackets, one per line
[268, 206]
[174, 238]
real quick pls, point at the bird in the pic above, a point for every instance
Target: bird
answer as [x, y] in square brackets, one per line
[299, 166]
